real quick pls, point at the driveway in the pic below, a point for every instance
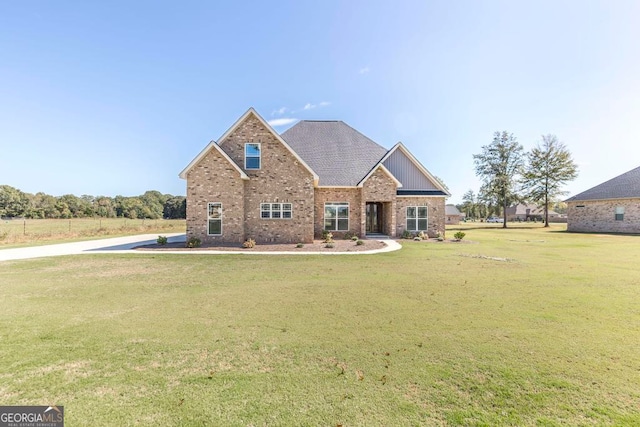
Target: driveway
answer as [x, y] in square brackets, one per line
[125, 245]
[114, 244]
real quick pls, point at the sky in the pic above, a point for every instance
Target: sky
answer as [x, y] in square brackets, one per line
[116, 98]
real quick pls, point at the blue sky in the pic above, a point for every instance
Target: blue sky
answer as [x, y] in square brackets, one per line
[108, 98]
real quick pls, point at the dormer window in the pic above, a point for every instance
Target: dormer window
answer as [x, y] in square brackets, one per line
[252, 156]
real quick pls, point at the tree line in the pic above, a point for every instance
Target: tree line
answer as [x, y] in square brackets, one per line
[150, 205]
[510, 176]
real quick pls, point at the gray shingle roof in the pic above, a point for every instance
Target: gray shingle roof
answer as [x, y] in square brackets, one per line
[339, 154]
[624, 186]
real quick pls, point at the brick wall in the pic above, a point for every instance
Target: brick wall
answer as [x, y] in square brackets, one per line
[280, 179]
[350, 195]
[379, 187]
[599, 216]
[436, 216]
[214, 179]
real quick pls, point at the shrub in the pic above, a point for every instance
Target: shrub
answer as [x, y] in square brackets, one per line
[300, 245]
[359, 242]
[327, 236]
[459, 235]
[349, 235]
[440, 237]
[417, 238]
[162, 240]
[329, 245]
[355, 238]
[422, 235]
[406, 234]
[194, 242]
[249, 243]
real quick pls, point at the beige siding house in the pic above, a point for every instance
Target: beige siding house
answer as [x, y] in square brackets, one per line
[611, 207]
[318, 175]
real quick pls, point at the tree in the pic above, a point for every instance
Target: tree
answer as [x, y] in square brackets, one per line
[498, 165]
[441, 182]
[469, 204]
[13, 202]
[549, 167]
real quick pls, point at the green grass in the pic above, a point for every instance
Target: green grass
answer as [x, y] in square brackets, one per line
[19, 232]
[434, 334]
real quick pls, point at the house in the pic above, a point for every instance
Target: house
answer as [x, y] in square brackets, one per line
[452, 214]
[611, 207]
[523, 212]
[316, 176]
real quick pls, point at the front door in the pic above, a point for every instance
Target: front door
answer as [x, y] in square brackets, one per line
[374, 218]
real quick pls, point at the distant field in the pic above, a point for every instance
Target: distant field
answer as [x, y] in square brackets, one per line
[18, 231]
[522, 327]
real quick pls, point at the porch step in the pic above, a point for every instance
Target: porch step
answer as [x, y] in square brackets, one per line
[377, 236]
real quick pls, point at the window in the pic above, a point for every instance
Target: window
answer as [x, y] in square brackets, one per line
[336, 216]
[275, 210]
[251, 156]
[214, 227]
[417, 217]
[620, 213]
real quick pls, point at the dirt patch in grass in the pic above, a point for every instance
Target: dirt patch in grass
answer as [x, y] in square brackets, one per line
[316, 246]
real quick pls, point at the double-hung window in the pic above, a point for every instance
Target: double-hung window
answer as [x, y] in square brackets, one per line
[417, 218]
[276, 210]
[252, 156]
[336, 216]
[620, 213]
[214, 223]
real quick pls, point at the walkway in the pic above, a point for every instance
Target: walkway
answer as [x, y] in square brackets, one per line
[125, 245]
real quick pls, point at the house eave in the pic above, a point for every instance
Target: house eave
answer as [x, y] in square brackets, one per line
[200, 156]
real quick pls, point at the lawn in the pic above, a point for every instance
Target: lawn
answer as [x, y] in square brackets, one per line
[524, 326]
[24, 232]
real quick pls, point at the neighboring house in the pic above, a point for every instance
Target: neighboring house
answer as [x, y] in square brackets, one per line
[318, 175]
[522, 212]
[452, 214]
[611, 207]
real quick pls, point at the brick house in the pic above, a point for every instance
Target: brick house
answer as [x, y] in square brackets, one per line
[318, 175]
[611, 207]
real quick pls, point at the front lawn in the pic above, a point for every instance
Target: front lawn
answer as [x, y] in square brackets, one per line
[524, 327]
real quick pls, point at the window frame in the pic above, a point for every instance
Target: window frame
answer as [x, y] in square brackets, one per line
[259, 156]
[416, 220]
[278, 208]
[619, 213]
[337, 218]
[214, 219]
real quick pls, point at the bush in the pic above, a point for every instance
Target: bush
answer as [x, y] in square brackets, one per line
[440, 237]
[194, 242]
[359, 242]
[329, 245]
[406, 234]
[300, 245]
[327, 236]
[422, 235]
[417, 238]
[249, 243]
[355, 238]
[162, 240]
[459, 235]
[349, 235]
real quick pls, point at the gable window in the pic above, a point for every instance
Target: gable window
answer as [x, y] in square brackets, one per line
[620, 213]
[214, 223]
[276, 210]
[336, 216]
[251, 156]
[417, 218]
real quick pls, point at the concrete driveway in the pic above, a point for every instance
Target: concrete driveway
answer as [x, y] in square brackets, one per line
[113, 244]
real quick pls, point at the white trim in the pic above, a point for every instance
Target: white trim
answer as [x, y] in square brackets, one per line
[385, 170]
[336, 205]
[417, 218]
[336, 186]
[419, 195]
[415, 161]
[259, 144]
[209, 217]
[271, 210]
[250, 111]
[204, 152]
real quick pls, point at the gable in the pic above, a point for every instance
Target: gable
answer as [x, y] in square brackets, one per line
[406, 168]
[625, 186]
[250, 127]
[211, 148]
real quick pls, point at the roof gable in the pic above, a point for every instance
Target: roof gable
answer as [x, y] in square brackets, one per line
[229, 131]
[383, 169]
[409, 171]
[625, 186]
[339, 154]
[212, 146]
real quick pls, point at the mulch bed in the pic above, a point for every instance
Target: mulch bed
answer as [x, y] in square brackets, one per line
[316, 246]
